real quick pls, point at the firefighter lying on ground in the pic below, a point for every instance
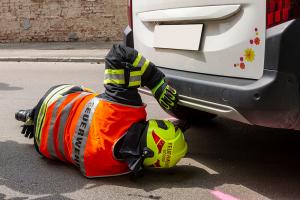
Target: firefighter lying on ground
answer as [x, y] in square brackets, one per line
[107, 134]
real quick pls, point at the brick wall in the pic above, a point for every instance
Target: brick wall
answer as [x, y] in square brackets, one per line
[62, 20]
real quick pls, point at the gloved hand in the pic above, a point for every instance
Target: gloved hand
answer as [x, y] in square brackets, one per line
[28, 129]
[166, 96]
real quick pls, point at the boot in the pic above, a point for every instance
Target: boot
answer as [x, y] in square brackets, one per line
[26, 116]
[23, 115]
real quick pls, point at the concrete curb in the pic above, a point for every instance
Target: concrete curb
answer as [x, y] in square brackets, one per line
[53, 59]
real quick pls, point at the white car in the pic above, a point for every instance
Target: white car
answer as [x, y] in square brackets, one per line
[238, 59]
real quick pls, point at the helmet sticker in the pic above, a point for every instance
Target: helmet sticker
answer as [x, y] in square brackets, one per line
[160, 145]
[157, 164]
[167, 155]
[158, 141]
[155, 137]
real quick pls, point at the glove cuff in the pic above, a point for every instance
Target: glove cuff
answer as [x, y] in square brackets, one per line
[29, 122]
[158, 88]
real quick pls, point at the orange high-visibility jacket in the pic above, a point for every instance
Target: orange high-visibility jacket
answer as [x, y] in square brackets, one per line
[82, 129]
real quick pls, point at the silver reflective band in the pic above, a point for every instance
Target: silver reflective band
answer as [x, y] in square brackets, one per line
[81, 133]
[142, 62]
[114, 76]
[134, 78]
[52, 96]
[51, 142]
[63, 122]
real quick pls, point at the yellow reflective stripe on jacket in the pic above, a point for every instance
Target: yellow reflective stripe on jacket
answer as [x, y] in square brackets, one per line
[135, 78]
[53, 95]
[114, 71]
[137, 60]
[145, 66]
[116, 81]
[117, 76]
[141, 62]
[134, 83]
[114, 76]
[136, 73]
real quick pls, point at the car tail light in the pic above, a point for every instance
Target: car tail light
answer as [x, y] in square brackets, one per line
[279, 11]
[129, 13]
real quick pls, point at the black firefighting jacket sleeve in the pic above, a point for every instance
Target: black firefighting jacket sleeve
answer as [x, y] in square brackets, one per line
[125, 71]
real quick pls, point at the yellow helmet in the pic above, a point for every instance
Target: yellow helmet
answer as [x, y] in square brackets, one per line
[167, 143]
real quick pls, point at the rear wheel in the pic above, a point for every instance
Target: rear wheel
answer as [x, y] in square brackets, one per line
[192, 115]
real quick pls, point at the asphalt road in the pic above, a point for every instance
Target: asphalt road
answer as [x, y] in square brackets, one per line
[226, 160]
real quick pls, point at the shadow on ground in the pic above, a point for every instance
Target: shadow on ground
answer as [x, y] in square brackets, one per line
[263, 160]
[26, 172]
[266, 161]
[5, 86]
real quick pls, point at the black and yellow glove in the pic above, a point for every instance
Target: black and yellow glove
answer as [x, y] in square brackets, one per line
[26, 116]
[166, 96]
[28, 129]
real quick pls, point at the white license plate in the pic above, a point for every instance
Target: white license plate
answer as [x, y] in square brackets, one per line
[185, 37]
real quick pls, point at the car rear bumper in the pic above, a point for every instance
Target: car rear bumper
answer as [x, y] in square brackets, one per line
[271, 101]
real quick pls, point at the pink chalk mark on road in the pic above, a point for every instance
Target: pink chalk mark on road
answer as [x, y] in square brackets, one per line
[222, 196]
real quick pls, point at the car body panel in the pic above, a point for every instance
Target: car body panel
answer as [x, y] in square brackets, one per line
[190, 13]
[232, 42]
